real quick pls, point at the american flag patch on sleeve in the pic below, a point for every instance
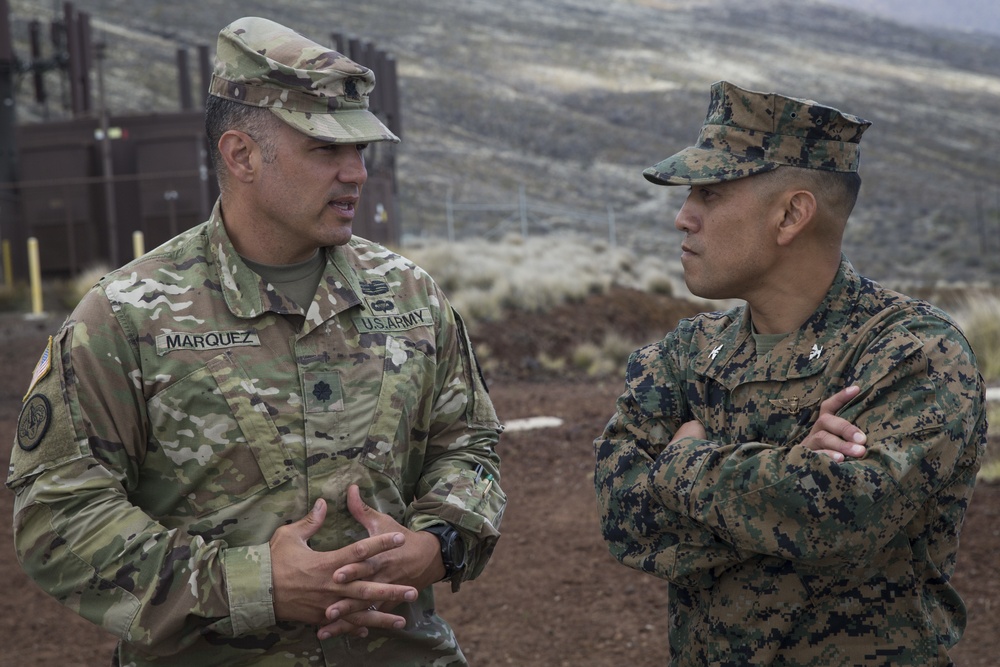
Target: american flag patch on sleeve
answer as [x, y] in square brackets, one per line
[42, 368]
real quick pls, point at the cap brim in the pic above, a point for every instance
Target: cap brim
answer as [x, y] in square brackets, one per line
[347, 126]
[701, 166]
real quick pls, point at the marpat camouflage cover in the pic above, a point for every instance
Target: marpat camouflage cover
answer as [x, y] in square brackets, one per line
[746, 132]
[775, 554]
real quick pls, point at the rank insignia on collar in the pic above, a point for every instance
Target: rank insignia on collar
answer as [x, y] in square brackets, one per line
[716, 351]
[816, 351]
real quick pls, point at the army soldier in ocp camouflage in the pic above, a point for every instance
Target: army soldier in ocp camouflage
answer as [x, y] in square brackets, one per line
[798, 467]
[261, 443]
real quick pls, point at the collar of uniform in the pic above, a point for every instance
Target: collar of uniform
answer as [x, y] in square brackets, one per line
[803, 353]
[241, 287]
[807, 351]
[837, 309]
[247, 295]
[724, 358]
[338, 288]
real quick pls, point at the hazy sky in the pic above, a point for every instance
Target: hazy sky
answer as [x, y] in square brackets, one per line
[973, 15]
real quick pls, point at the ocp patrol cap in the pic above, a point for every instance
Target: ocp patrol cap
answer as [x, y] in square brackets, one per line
[316, 90]
[747, 132]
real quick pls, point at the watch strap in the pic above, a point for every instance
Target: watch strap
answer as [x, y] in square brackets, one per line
[452, 549]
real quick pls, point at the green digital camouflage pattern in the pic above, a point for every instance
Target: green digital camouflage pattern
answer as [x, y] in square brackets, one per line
[775, 554]
[746, 133]
[192, 410]
[316, 90]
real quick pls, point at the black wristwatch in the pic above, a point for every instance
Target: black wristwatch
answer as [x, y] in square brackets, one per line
[452, 549]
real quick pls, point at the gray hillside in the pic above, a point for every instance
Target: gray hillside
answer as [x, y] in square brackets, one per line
[571, 99]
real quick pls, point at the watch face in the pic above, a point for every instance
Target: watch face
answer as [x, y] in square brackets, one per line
[452, 548]
[456, 550]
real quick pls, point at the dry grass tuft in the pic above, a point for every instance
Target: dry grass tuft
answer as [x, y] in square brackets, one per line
[605, 360]
[483, 278]
[979, 317]
[67, 293]
[990, 472]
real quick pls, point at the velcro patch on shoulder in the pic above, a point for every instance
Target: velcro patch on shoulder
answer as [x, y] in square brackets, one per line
[45, 435]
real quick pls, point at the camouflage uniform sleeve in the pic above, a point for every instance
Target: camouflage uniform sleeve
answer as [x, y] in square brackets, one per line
[641, 532]
[75, 530]
[460, 480]
[921, 406]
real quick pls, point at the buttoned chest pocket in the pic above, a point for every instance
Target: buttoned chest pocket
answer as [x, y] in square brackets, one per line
[215, 443]
[780, 413]
[400, 422]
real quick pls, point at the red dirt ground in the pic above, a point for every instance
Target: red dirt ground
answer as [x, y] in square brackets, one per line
[552, 595]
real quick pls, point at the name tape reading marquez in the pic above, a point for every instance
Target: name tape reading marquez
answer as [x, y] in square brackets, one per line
[218, 340]
[208, 340]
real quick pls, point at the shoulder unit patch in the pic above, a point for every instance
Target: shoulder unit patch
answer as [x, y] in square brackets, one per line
[36, 414]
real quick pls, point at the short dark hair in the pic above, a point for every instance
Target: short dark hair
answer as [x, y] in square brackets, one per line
[222, 115]
[836, 190]
[849, 184]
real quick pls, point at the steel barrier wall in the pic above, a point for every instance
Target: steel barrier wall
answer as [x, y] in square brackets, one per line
[160, 183]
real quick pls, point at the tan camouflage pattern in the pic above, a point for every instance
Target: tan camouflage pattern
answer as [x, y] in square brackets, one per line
[194, 410]
[777, 555]
[316, 90]
[746, 133]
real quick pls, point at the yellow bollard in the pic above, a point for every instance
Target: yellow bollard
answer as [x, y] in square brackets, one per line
[35, 275]
[138, 244]
[8, 268]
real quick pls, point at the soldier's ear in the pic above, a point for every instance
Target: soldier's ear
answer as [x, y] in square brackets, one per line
[237, 149]
[799, 211]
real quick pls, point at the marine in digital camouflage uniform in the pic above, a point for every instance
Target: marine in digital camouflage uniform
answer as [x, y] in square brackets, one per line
[188, 409]
[801, 490]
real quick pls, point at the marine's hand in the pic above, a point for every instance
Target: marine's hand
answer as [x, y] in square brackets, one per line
[832, 435]
[305, 585]
[691, 429]
[416, 563]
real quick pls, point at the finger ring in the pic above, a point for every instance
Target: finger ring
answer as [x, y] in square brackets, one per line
[373, 608]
